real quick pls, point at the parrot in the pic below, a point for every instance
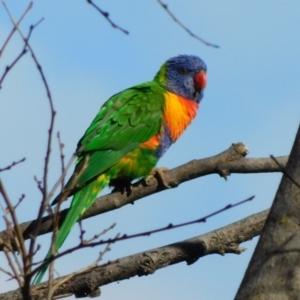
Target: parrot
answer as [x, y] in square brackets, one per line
[130, 133]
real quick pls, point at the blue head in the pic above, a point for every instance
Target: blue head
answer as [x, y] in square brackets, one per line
[184, 75]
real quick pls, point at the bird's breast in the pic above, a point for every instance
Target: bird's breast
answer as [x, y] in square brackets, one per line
[178, 114]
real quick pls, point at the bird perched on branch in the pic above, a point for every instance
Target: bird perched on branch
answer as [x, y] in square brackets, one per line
[132, 130]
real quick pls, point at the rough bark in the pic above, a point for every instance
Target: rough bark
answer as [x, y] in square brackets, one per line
[220, 241]
[230, 161]
[274, 270]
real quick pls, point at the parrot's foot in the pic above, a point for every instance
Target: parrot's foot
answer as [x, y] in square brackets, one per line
[122, 186]
[159, 173]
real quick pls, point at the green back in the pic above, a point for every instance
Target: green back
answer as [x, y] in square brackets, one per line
[126, 120]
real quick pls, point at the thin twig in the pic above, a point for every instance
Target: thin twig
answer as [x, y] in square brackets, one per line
[27, 260]
[20, 200]
[82, 232]
[12, 266]
[96, 236]
[39, 184]
[140, 234]
[219, 241]
[285, 172]
[165, 6]
[106, 16]
[171, 226]
[55, 218]
[47, 158]
[9, 232]
[14, 28]
[8, 245]
[15, 221]
[14, 163]
[86, 269]
[23, 52]
[62, 159]
[9, 67]
[18, 236]
[39, 67]
[6, 272]
[18, 263]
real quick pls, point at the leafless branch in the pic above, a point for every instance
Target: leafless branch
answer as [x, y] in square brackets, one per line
[14, 29]
[13, 215]
[124, 237]
[23, 52]
[105, 14]
[95, 237]
[39, 184]
[14, 163]
[9, 67]
[224, 163]
[62, 159]
[27, 259]
[169, 226]
[165, 7]
[284, 171]
[220, 241]
[6, 272]
[39, 67]
[272, 272]
[18, 236]
[19, 201]
[86, 269]
[12, 266]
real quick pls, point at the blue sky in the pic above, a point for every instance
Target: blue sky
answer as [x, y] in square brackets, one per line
[252, 96]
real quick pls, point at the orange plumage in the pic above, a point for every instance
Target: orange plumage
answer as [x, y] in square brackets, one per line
[178, 114]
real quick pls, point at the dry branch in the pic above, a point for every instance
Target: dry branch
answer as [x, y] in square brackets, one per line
[166, 8]
[105, 14]
[230, 161]
[27, 257]
[220, 241]
[14, 163]
[94, 242]
[24, 50]
[273, 272]
[29, 7]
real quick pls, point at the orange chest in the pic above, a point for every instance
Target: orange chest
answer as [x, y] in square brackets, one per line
[178, 114]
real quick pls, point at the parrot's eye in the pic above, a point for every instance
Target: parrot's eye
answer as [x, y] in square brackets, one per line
[182, 71]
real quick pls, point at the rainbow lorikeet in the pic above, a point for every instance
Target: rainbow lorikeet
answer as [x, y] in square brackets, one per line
[132, 130]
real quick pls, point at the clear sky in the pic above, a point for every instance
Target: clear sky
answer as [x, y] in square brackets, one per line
[252, 96]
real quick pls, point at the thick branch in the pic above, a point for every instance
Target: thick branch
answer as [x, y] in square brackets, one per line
[230, 161]
[273, 272]
[221, 241]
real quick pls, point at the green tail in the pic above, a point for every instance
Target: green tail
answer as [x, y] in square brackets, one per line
[82, 200]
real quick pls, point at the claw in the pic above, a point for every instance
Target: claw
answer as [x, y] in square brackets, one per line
[159, 174]
[122, 186]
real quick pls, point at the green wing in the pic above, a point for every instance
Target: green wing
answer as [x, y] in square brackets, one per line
[126, 120]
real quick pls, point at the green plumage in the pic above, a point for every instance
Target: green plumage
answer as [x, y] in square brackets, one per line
[130, 133]
[124, 122]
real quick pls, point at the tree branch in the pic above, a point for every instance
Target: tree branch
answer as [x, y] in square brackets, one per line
[105, 14]
[273, 272]
[14, 163]
[230, 161]
[220, 241]
[29, 7]
[165, 7]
